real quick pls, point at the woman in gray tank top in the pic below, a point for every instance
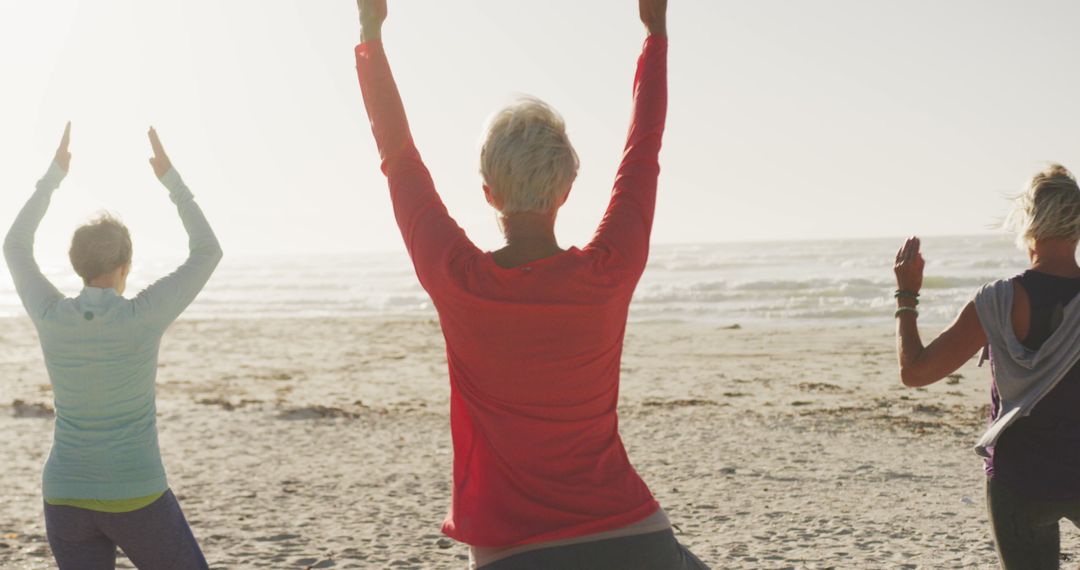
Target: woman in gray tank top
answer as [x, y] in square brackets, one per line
[1032, 330]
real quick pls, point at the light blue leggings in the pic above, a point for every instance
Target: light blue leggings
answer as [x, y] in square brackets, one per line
[155, 537]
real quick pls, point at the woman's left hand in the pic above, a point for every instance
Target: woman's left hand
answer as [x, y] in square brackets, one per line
[909, 266]
[372, 15]
[63, 155]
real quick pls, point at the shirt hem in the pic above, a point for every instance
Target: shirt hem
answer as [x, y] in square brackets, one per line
[111, 491]
[657, 521]
[592, 527]
[111, 506]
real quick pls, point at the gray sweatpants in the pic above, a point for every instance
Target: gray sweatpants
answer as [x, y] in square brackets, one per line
[653, 551]
[155, 537]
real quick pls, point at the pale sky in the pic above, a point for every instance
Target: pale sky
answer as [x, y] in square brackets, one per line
[789, 119]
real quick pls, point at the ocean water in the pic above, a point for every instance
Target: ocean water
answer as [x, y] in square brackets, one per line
[800, 282]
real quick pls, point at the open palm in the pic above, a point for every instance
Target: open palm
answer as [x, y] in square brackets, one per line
[909, 266]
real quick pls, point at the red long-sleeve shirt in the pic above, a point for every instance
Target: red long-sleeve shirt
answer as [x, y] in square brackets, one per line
[533, 351]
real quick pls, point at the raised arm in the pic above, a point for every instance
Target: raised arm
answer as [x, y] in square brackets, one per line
[431, 235]
[922, 365]
[35, 290]
[626, 226]
[160, 303]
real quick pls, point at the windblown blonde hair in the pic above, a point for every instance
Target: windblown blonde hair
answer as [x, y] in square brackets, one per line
[527, 160]
[1049, 208]
[100, 246]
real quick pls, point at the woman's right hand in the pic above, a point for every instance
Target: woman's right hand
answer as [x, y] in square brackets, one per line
[63, 157]
[654, 16]
[372, 15]
[160, 161]
[909, 266]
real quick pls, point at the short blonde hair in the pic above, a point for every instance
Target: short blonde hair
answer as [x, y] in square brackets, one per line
[100, 246]
[527, 160]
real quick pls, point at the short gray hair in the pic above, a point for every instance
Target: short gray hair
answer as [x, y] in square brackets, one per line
[527, 160]
[100, 246]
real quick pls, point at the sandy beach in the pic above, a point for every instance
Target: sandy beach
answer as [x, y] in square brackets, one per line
[325, 444]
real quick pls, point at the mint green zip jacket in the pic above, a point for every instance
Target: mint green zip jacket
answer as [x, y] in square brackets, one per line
[101, 353]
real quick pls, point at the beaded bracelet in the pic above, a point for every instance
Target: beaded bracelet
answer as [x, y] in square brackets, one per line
[907, 295]
[902, 310]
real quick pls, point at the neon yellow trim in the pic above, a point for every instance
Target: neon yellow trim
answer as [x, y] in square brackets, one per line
[109, 506]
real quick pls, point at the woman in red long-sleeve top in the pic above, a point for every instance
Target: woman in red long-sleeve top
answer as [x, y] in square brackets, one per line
[534, 332]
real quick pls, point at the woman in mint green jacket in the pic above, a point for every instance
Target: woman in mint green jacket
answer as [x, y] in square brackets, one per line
[104, 483]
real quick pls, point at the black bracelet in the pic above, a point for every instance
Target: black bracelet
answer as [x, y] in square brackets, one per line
[906, 295]
[903, 310]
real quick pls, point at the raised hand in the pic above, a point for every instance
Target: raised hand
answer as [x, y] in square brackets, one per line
[909, 266]
[160, 161]
[654, 16]
[372, 15]
[63, 157]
